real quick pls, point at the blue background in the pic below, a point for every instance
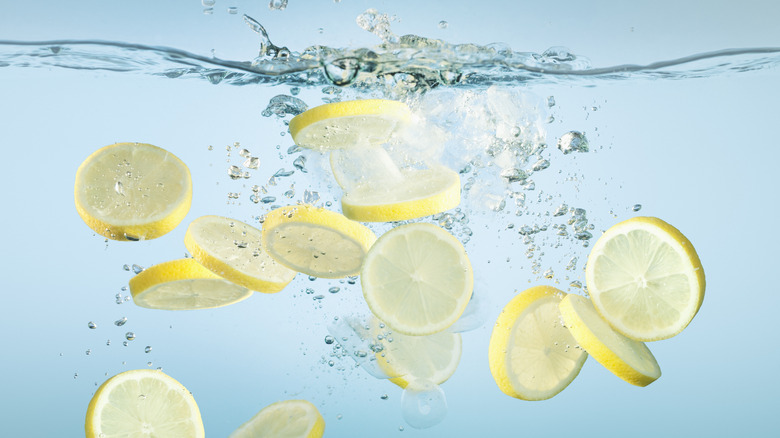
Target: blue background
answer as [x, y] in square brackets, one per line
[700, 154]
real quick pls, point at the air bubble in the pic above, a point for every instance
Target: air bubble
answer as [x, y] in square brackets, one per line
[423, 404]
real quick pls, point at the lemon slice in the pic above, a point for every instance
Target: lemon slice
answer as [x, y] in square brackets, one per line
[628, 359]
[361, 166]
[132, 191]
[284, 419]
[433, 358]
[183, 284]
[532, 355]
[421, 192]
[143, 403]
[233, 250]
[645, 279]
[417, 278]
[316, 241]
[348, 124]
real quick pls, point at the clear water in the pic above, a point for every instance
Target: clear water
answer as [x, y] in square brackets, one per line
[552, 150]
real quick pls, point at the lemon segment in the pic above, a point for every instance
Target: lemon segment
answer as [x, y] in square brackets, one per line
[417, 278]
[132, 191]
[284, 419]
[143, 403]
[645, 279]
[628, 359]
[184, 284]
[234, 250]
[421, 192]
[532, 355]
[316, 241]
[433, 358]
[348, 124]
[362, 166]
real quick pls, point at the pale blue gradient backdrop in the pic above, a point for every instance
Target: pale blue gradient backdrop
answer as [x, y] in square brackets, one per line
[699, 153]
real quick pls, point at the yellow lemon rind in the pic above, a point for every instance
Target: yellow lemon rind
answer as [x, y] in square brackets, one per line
[317, 429]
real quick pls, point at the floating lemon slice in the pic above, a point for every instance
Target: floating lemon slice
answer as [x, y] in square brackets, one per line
[233, 250]
[630, 360]
[132, 191]
[532, 355]
[284, 419]
[363, 166]
[421, 192]
[417, 278]
[433, 358]
[315, 241]
[645, 279]
[143, 403]
[184, 284]
[348, 124]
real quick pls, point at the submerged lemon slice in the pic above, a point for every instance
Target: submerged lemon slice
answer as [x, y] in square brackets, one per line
[183, 284]
[645, 279]
[433, 358]
[316, 241]
[284, 419]
[417, 278]
[132, 191]
[362, 166]
[532, 355]
[143, 403]
[348, 124]
[628, 359]
[420, 193]
[234, 250]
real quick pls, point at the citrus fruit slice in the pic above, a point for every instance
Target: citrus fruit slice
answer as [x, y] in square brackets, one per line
[132, 191]
[421, 192]
[628, 359]
[361, 166]
[183, 284]
[645, 279]
[417, 278]
[532, 355]
[234, 250]
[143, 403]
[348, 124]
[284, 419]
[316, 241]
[433, 358]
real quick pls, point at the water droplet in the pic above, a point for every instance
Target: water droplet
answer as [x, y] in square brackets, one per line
[126, 267]
[283, 105]
[283, 173]
[573, 141]
[561, 210]
[310, 196]
[342, 71]
[129, 336]
[300, 163]
[92, 325]
[119, 188]
[329, 339]
[550, 101]
[234, 172]
[443, 24]
[423, 404]
[334, 289]
[148, 349]
[541, 165]
[121, 321]
[636, 207]
[251, 163]
[277, 5]
[137, 269]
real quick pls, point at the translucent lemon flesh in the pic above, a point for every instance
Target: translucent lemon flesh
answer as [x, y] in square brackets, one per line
[132, 191]
[532, 355]
[183, 284]
[417, 278]
[234, 250]
[628, 359]
[141, 403]
[645, 279]
[284, 419]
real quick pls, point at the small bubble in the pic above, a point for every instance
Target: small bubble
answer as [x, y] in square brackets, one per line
[88, 352]
[232, 10]
[329, 339]
[234, 172]
[148, 349]
[126, 267]
[120, 322]
[92, 325]
[129, 336]
[208, 3]
[384, 397]
[334, 290]
[443, 24]
[137, 269]
[277, 5]
[636, 207]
